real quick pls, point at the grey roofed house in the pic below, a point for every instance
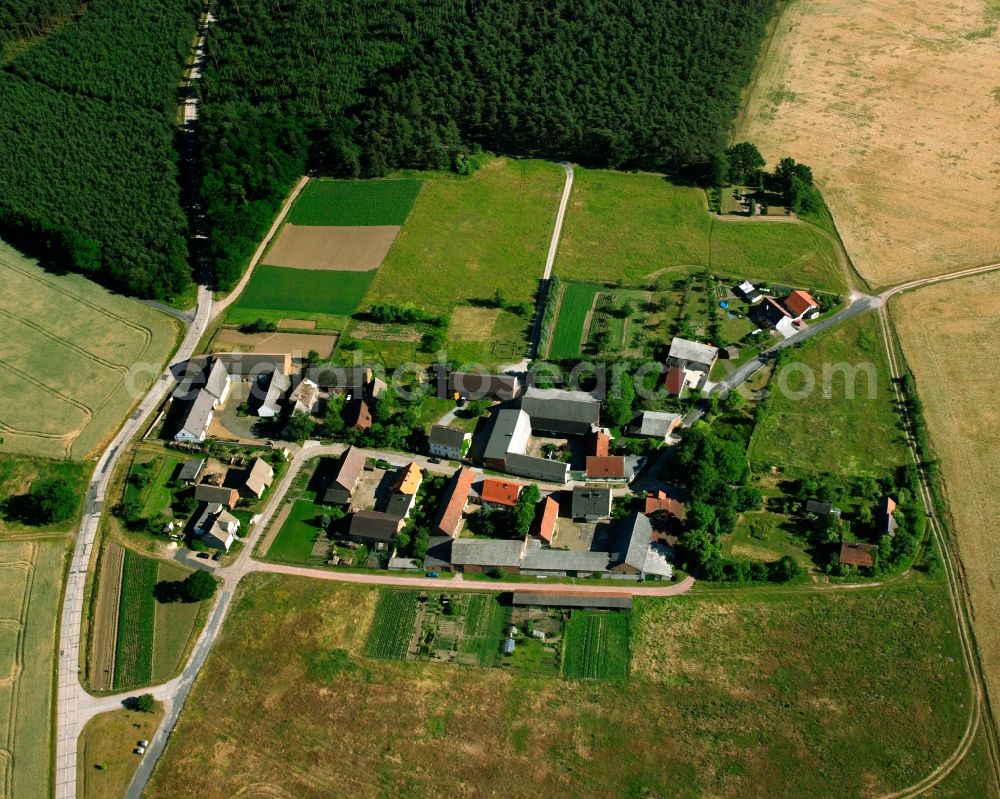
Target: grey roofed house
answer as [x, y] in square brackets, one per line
[258, 477]
[247, 364]
[447, 437]
[191, 470]
[657, 424]
[372, 525]
[822, 508]
[691, 355]
[438, 553]
[270, 405]
[554, 410]
[486, 552]
[197, 417]
[634, 538]
[400, 504]
[537, 558]
[358, 381]
[341, 487]
[217, 381]
[885, 522]
[510, 433]
[476, 385]
[223, 495]
[570, 600]
[591, 503]
[544, 469]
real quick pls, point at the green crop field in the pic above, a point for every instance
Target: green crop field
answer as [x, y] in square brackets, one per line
[31, 578]
[577, 300]
[728, 695]
[804, 429]
[468, 237]
[294, 541]
[392, 629]
[275, 288]
[354, 202]
[633, 226]
[68, 348]
[134, 650]
[597, 646]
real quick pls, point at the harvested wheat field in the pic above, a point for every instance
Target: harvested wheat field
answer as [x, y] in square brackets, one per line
[893, 104]
[299, 344]
[950, 339]
[346, 249]
[472, 324]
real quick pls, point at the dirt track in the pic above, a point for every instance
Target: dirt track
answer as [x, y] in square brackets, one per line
[105, 630]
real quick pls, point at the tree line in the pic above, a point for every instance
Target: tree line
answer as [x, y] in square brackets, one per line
[90, 163]
[22, 20]
[349, 88]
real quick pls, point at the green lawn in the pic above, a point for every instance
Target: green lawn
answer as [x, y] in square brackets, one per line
[732, 695]
[354, 202]
[325, 291]
[294, 541]
[807, 431]
[631, 226]
[175, 625]
[467, 237]
[765, 537]
[157, 496]
[577, 299]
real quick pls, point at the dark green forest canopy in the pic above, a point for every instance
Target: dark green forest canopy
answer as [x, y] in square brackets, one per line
[24, 20]
[356, 88]
[87, 138]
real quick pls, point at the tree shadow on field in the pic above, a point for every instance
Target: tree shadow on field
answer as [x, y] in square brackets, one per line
[167, 592]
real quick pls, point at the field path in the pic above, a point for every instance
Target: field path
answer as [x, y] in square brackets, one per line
[105, 628]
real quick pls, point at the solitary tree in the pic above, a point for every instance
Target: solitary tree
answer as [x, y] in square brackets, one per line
[524, 511]
[198, 586]
[145, 703]
[52, 500]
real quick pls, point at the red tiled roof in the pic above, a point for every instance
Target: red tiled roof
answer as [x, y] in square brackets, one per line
[458, 495]
[502, 492]
[547, 521]
[798, 302]
[608, 466]
[675, 380]
[602, 444]
[660, 502]
[858, 554]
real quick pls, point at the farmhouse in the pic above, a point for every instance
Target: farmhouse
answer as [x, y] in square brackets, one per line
[374, 529]
[217, 527]
[547, 470]
[663, 507]
[885, 522]
[801, 305]
[656, 424]
[447, 442]
[510, 433]
[196, 418]
[191, 471]
[600, 444]
[455, 499]
[304, 397]
[677, 380]
[553, 410]
[691, 356]
[547, 517]
[476, 555]
[270, 386]
[539, 561]
[499, 493]
[529, 599]
[256, 479]
[637, 554]
[476, 386]
[253, 364]
[770, 314]
[404, 490]
[357, 382]
[750, 292]
[610, 467]
[220, 495]
[591, 503]
[340, 491]
[209, 376]
[822, 508]
[860, 555]
[359, 415]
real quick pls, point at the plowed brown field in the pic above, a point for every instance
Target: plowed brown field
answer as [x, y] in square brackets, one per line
[344, 248]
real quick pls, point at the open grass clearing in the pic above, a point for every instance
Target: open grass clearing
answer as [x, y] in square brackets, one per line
[294, 291]
[32, 575]
[950, 340]
[765, 537]
[294, 541]
[728, 696]
[469, 236]
[68, 348]
[349, 249]
[863, 95]
[801, 428]
[630, 226]
[106, 761]
[354, 202]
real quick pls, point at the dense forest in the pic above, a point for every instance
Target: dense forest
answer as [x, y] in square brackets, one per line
[24, 20]
[354, 88]
[89, 164]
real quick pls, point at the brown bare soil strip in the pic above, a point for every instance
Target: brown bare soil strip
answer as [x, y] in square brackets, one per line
[299, 344]
[102, 650]
[951, 343]
[891, 102]
[297, 324]
[342, 248]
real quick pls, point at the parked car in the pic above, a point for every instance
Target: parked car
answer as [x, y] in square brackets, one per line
[140, 750]
[217, 556]
[204, 555]
[432, 574]
[434, 460]
[143, 743]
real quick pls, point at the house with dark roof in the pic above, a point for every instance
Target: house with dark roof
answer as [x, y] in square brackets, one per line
[822, 508]
[553, 410]
[456, 497]
[355, 382]
[540, 561]
[204, 374]
[636, 553]
[477, 385]
[801, 305]
[340, 490]
[547, 470]
[219, 495]
[447, 442]
[771, 315]
[591, 503]
[691, 355]
[571, 599]
[860, 555]
[546, 518]
[885, 522]
[656, 424]
[359, 414]
[750, 292]
[270, 388]
[191, 470]
[478, 555]
[374, 529]
[252, 364]
[499, 493]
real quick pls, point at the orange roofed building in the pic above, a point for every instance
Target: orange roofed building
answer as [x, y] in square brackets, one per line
[546, 527]
[499, 493]
[801, 305]
[409, 479]
[456, 497]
